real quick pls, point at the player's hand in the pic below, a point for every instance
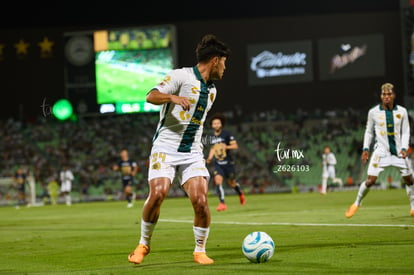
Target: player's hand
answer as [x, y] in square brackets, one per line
[182, 101]
[364, 156]
[403, 154]
[208, 161]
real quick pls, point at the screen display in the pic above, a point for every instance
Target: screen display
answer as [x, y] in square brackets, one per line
[281, 62]
[351, 57]
[128, 63]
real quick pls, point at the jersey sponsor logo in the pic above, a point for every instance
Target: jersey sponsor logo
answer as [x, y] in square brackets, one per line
[184, 115]
[196, 121]
[195, 90]
[200, 108]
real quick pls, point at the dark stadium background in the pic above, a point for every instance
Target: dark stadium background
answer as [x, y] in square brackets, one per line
[26, 84]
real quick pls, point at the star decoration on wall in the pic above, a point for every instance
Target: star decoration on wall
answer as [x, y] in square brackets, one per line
[46, 45]
[21, 47]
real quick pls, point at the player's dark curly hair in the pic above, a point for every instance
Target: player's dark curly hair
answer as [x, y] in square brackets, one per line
[218, 116]
[210, 47]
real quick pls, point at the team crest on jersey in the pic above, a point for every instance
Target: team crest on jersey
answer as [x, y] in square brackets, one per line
[156, 166]
[165, 80]
[398, 116]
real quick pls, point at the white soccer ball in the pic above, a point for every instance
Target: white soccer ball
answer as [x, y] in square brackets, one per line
[258, 247]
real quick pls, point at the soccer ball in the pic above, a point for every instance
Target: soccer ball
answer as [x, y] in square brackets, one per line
[258, 247]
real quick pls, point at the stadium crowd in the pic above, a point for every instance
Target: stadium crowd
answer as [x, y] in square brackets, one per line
[90, 146]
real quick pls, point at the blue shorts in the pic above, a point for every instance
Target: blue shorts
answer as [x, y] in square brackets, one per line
[226, 171]
[126, 182]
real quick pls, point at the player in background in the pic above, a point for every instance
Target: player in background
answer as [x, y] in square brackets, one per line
[66, 178]
[128, 169]
[186, 95]
[20, 179]
[222, 143]
[388, 123]
[328, 170]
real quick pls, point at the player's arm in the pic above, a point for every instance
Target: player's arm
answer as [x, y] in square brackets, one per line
[157, 98]
[368, 135]
[135, 169]
[210, 155]
[115, 167]
[405, 134]
[232, 145]
[332, 160]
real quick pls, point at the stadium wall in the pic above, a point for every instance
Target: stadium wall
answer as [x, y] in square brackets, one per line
[33, 82]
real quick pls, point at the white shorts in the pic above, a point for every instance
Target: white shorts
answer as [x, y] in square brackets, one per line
[176, 164]
[329, 172]
[378, 163]
[66, 186]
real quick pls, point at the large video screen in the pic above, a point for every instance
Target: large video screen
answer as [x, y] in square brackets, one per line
[280, 62]
[351, 57]
[128, 63]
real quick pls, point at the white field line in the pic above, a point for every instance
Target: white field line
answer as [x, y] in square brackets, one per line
[297, 224]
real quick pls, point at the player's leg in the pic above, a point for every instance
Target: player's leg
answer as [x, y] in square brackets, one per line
[197, 190]
[126, 184]
[218, 182]
[324, 186]
[231, 180]
[68, 197]
[409, 187]
[334, 178]
[362, 192]
[375, 167]
[159, 188]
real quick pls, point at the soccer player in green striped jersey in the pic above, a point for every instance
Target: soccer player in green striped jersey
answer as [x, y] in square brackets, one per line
[186, 95]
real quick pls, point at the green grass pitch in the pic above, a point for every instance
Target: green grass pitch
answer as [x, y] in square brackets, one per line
[310, 231]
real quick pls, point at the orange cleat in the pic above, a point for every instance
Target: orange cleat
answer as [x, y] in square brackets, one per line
[412, 213]
[202, 258]
[138, 254]
[351, 210]
[242, 199]
[221, 207]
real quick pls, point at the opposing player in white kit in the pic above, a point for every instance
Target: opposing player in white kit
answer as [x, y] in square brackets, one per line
[328, 169]
[186, 94]
[389, 124]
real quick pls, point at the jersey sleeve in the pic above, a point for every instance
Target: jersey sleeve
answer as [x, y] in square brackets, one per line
[405, 131]
[230, 138]
[369, 131]
[332, 159]
[171, 82]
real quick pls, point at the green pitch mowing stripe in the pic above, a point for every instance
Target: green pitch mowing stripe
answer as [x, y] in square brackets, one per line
[311, 234]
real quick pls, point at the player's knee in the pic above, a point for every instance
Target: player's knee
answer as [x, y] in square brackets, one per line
[157, 196]
[369, 182]
[232, 183]
[408, 180]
